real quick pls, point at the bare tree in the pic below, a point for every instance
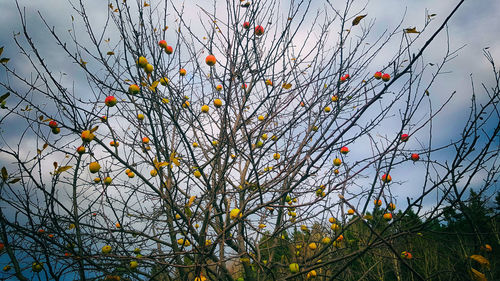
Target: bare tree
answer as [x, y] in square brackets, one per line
[218, 147]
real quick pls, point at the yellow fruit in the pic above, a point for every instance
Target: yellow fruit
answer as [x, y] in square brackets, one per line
[195, 144]
[164, 81]
[186, 242]
[107, 180]
[326, 240]
[335, 98]
[114, 143]
[313, 246]
[133, 89]
[208, 242]
[106, 249]
[87, 136]
[350, 212]
[177, 216]
[327, 109]
[215, 143]
[197, 173]
[311, 274]
[153, 173]
[261, 226]
[331, 220]
[200, 278]
[140, 116]
[205, 108]
[217, 103]
[391, 207]
[304, 228]
[142, 62]
[260, 118]
[133, 264]
[276, 156]
[94, 167]
[235, 213]
[335, 227]
[337, 162]
[37, 266]
[196, 225]
[219, 88]
[149, 68]
[294, 268]
[97, 180]
[185, 104]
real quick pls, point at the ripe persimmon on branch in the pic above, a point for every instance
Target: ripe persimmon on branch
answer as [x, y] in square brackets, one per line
[242, 140]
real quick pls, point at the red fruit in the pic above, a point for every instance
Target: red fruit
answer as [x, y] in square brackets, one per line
[377, 75]
[259, 30]
[386, 178]
[244, 86]
[344, 150]
[80, 150]
[110, 101]
[210, 60]
[104, 119]
[415, 157]
[342, 79]
[246, 25]
[347, 76]
[388, 216]
[162, 44]
[406, 255]
[169, 50]
[386, 77]
[404, 137]
[53, 124]
[1, 246]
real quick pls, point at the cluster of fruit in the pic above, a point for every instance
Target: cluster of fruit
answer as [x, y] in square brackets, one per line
[168, 49]
[385, 76]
